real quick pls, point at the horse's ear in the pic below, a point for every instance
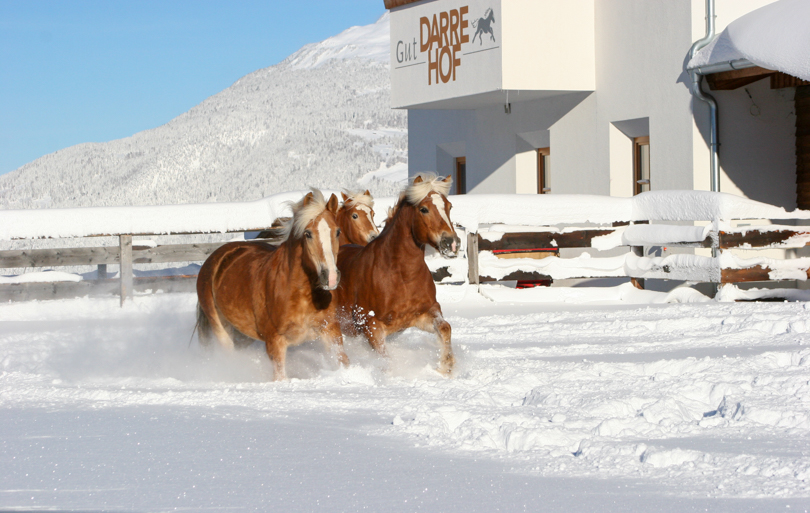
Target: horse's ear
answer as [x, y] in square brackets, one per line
[367, 193]
[332, 204]
[448, 179]
[308, 199]
[418, 179]
[344, 196]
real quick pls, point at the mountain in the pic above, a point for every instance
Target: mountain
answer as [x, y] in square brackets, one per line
[321, 118]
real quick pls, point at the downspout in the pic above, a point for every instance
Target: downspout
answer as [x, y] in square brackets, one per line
[697, 92]
[697, 74]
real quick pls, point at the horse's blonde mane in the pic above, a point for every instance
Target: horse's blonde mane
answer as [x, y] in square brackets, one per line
[416, 192]
[359, 198]
[303, 215]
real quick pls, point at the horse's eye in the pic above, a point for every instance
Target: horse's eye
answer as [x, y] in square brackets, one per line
[355, 216]
[424, 210]
[308, 234]
[338, 232]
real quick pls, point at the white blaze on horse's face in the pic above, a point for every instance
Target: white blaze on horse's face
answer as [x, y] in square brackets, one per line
[448, 241]
[329, 260]
[370, 216]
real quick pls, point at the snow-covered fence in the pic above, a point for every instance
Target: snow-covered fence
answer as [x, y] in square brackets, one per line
[496, 226]
[524, 228]
[123, 223]
[499, 255]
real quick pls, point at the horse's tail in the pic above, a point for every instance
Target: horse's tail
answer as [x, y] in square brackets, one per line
[203, 328]
[474, 23]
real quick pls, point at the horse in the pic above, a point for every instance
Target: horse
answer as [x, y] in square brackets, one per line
[280, 295]
[386, 286]
[484, 26]
[355, 218]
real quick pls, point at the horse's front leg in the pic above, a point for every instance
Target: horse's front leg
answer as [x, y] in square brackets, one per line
[333, 340]
[433, 322]
[375, 333]
[277, 351]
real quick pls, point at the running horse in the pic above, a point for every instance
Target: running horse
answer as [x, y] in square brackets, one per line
[386, 286]
[355, 218]
[483, 26]
[279, 295]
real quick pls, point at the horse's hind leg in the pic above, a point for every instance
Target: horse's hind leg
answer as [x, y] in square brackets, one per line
[210, 326]
[433, 321]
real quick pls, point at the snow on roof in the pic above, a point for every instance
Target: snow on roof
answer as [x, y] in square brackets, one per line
[776, 37]
[469, 210]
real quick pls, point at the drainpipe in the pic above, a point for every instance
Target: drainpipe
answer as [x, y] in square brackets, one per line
[698, 93]
[696, 74]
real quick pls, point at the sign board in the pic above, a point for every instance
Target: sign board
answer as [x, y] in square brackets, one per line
[445, 49]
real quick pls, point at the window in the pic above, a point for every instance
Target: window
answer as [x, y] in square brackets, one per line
[461, 175]
[641, 164]
[543, 170]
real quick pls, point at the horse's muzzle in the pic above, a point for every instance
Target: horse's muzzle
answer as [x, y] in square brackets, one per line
[449, 245]
[323, 279]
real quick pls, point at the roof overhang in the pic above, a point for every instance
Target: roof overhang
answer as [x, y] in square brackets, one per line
[775, 38]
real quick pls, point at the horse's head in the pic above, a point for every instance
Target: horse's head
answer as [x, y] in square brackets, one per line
[356, 219]
[314, 226]
[431, 219]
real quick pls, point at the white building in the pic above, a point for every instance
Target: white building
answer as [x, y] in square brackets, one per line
[585, 96]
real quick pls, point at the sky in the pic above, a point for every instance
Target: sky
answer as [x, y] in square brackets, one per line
[98, 70]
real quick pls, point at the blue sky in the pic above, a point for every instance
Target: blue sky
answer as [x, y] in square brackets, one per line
[93, 71]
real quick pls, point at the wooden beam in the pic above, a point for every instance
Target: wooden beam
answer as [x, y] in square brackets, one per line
[756, 273]
[106, 255]
[390, 4]
[758, 238]
[96, 288]
[518, 276]
[543, 240]
[736, 78]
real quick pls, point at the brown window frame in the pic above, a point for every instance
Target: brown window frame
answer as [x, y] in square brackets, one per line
[638, 180]
[541, 170]
[461, 175]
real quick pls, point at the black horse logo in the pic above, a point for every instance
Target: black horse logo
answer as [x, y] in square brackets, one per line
[484, 26]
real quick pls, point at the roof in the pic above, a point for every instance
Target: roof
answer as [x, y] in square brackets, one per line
[774, 37]
[390, 4]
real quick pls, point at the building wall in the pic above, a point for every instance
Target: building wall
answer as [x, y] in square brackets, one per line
[641, 49]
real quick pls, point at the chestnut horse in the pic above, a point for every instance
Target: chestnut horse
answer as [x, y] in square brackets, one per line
[386, 286]
[355, 218]
[279, 295]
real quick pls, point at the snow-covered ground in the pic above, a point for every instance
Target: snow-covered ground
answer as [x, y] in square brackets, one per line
[554, 407]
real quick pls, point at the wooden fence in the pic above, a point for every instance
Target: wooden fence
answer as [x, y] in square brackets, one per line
[125, 255]
[493, 253]
[546, 243]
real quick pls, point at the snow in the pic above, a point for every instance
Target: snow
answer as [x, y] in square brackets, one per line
[775, 37]
[553, 407]
[397, 173]
[469, 211]
[370, 42]
[41, 277]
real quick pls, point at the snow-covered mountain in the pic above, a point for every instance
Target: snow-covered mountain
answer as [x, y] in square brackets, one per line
[319, 118]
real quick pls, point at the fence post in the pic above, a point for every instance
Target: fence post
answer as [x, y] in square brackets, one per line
[637, 282]
[472, 257]
[125, 245]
